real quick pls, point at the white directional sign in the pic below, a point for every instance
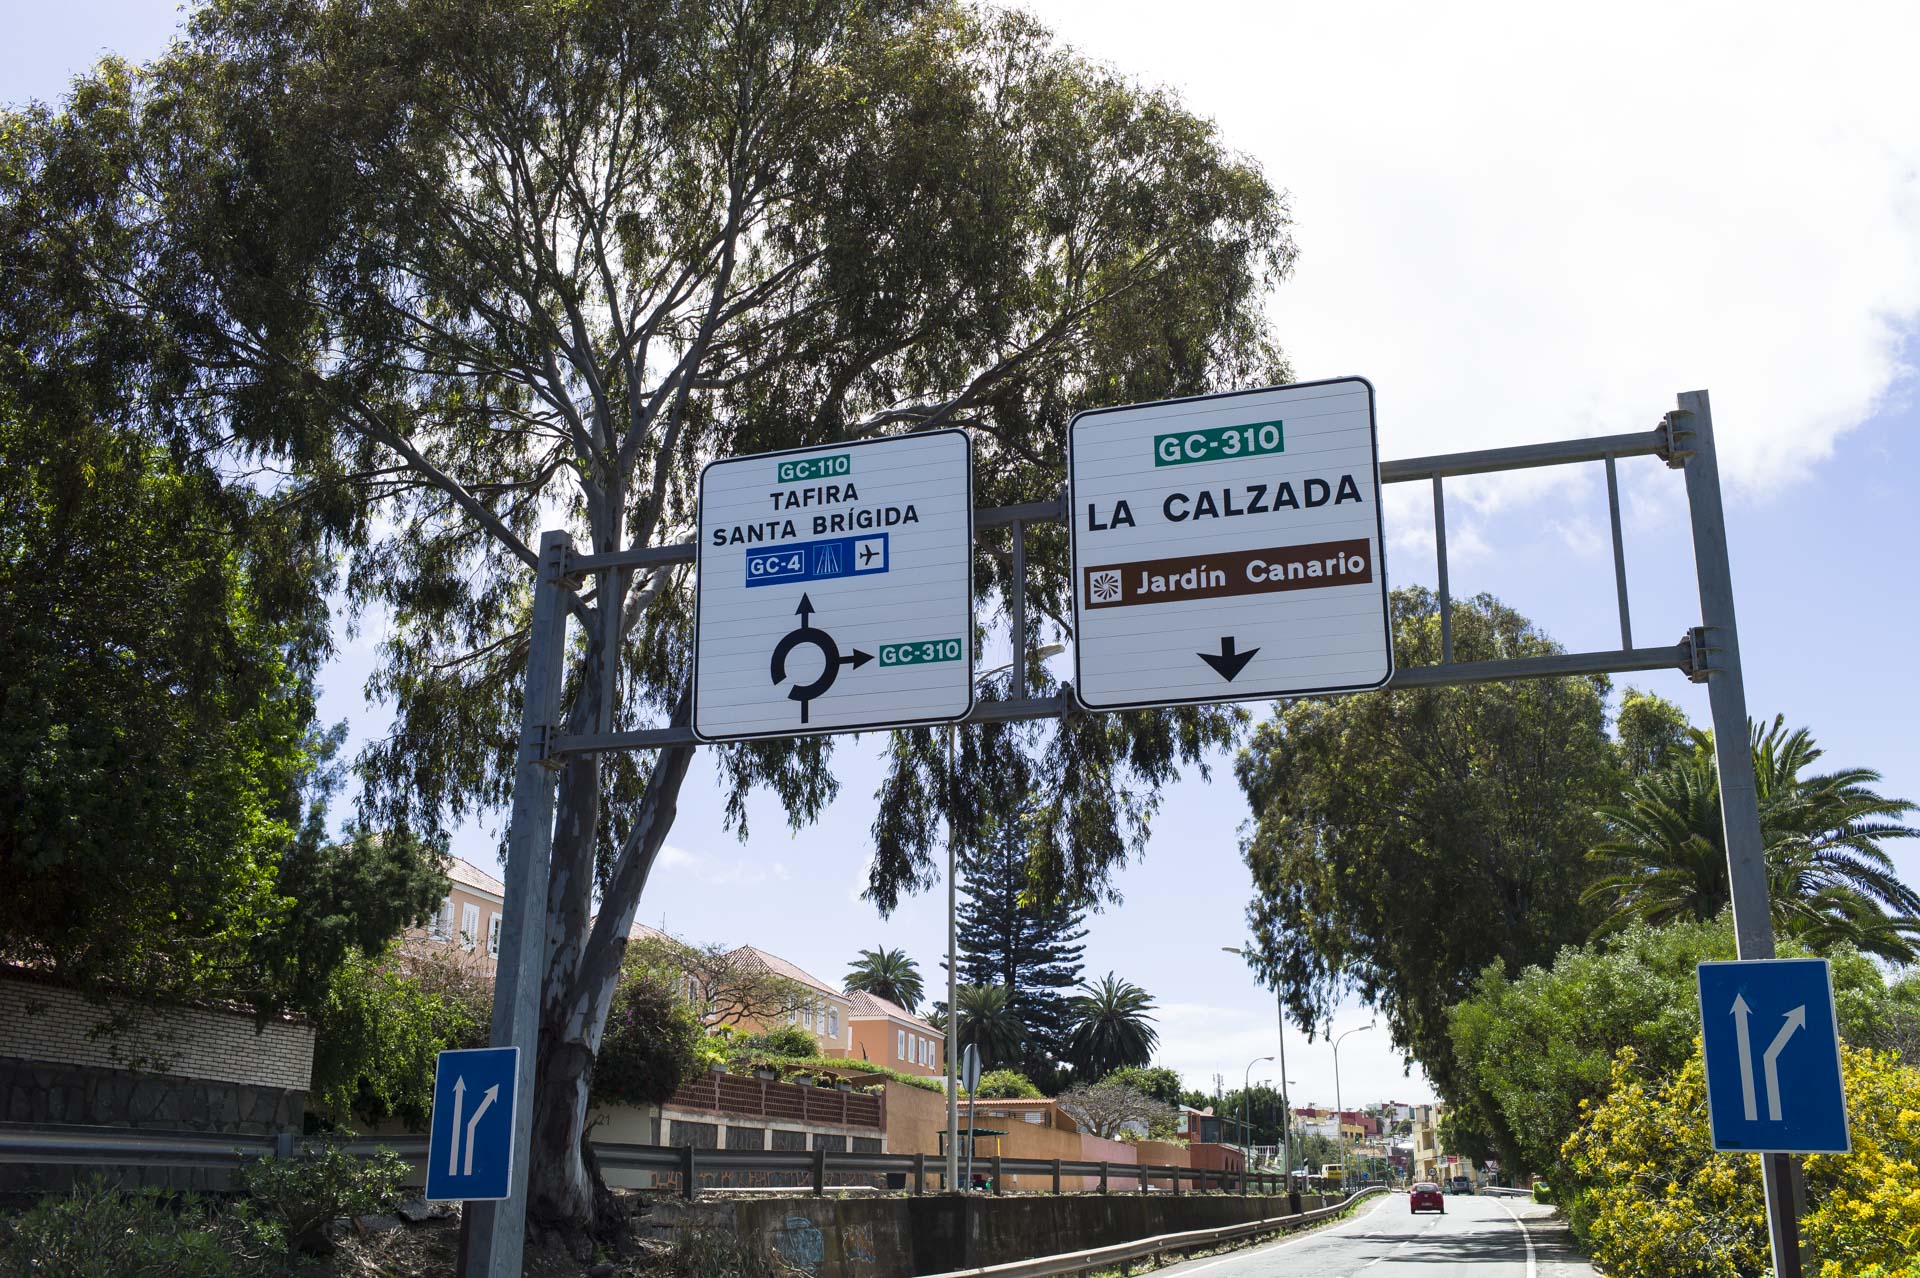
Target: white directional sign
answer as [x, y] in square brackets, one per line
[1228, 547]
[835, 589]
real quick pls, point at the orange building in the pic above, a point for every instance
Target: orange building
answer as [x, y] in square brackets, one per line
[824, 1012]
[888, 1034]
[468, 921]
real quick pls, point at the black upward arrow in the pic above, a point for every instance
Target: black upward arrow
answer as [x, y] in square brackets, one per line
[805, 609]
[1226, 661]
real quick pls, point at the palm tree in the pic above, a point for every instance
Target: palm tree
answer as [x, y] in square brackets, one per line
[988, 1021]
[888, 974]
[1111, 1027]
[1830, 881]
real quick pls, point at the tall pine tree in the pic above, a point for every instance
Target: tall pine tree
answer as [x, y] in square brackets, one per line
[1034, 951]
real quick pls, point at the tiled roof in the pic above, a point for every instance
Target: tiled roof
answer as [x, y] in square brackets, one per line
[791, 971]
[469, 875]
[867, 1005]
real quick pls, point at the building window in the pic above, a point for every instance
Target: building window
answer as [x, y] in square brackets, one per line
[806, 1016]
[442, 928]
[900, 1045]
[469, 926]
[493, 935]
[833, 1022]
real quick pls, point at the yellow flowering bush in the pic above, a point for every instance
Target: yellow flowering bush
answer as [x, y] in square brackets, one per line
[1654, 1200]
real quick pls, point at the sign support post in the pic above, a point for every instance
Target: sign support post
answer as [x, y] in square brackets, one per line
[1719, 641]
[497, 1235]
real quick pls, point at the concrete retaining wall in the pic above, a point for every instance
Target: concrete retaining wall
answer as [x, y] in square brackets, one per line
[903, 1237]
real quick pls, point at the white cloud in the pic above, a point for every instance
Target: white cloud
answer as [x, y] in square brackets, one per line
[1200, 1040]
[739, 870]
[1526, 221]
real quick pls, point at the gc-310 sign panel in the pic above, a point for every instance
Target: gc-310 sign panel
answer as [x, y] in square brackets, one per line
[1228, 548]
[834, 589]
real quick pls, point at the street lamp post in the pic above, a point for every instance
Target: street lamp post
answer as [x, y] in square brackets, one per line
[953, 935]
[1340, 1111]
[1286, 1110]
[1246, 1132]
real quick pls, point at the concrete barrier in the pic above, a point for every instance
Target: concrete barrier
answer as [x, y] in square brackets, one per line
[939, 1233]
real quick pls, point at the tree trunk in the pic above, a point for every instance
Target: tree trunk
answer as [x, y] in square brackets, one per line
[565, 1193]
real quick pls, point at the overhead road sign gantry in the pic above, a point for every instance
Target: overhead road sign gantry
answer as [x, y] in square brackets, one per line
[834, 589]
[1228, 547]
[1773, 1057]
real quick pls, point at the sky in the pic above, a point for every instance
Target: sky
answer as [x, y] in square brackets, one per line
[1520, 223]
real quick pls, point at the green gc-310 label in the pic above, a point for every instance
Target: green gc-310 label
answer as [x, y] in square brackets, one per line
[919, 654]
[801, 469]
[1218, 443]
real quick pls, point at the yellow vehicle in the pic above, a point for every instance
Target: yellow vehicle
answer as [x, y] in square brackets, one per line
[1332, 1173]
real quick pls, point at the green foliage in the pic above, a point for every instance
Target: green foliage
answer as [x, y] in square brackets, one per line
[97, 1230]
[652, 1041]
[380, 1030]
[320, 1184]
[1655, 1201]
[1112, 1027]
[1027, 946]
[787, 1041]
[1652, 731]
[1006, 1084]
[1157, 1081]
[888, 974]
[1403, 841]
[1831, 882]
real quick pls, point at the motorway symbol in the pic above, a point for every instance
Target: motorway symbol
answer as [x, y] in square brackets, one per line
[470, 1146]
[875, 540]
[1257, 511]
[832, 658]
[1789, 1002]
[1228, 662]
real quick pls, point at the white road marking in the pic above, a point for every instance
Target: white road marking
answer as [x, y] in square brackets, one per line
[1533, 1270]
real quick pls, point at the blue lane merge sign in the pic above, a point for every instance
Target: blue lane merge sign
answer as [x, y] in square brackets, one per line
[817, 560]
[470, 1148]
[1773, 1057]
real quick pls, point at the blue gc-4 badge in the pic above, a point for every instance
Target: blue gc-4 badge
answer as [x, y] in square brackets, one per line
[817, 560]
[1773, 1057]
[470, 1147]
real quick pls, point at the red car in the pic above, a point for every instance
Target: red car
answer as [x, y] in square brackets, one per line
[1426, 1196]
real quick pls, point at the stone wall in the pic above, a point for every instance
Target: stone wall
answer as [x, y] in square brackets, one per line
[901, 1237]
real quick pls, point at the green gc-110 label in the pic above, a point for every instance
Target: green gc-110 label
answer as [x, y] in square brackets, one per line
[919, 654]
[802, 469]
[1218, 443]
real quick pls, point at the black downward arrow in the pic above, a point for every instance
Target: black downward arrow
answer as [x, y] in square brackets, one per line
[1227, 662]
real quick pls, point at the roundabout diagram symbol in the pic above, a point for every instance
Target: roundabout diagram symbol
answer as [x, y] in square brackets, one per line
[808, 634]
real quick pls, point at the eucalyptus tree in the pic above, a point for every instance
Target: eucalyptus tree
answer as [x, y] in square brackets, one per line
[468, 270]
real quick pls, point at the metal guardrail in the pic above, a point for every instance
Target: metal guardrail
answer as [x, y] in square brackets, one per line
[47, 1144]
[1075, 1262]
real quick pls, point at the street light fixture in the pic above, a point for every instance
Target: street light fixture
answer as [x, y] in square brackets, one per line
[1339, 1108]
[953, 944]
[1246, 1133]
[1286, 1110]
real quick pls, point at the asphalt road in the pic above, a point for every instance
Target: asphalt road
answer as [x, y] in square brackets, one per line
[1479, 1236]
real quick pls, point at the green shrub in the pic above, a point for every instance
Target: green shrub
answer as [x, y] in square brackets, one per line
[652, 1042]
[302, 1194]
[384, 1024]
[1006, 1084]
[98, 1231]
[788, 1040]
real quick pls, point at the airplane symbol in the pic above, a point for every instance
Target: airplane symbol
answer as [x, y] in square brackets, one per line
[867, 553]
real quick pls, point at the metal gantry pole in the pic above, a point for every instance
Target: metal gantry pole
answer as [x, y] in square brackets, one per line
[1286, 1106]
[497, 1233]
[1719, 642]
[953, 984]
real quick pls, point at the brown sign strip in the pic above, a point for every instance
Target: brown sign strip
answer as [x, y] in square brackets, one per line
[1237, 572]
